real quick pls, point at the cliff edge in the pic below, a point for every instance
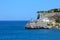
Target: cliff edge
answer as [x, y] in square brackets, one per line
[46, 20]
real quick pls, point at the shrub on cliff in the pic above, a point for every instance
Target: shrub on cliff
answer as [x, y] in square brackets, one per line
[57, 20]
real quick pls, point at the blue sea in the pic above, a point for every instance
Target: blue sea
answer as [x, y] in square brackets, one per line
[15, 30]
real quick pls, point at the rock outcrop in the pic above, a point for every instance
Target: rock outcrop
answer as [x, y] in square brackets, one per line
[45, 20]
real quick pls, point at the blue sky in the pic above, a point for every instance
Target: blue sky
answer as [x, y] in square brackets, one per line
[24, 9]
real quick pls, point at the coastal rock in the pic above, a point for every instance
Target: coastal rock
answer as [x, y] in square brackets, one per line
[46, 20]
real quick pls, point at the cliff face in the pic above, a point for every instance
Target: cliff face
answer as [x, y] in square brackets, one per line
[46, 19]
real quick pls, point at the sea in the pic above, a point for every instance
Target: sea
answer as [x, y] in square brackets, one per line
[15, 30]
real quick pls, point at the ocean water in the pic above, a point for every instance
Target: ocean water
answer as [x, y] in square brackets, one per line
[15, 30]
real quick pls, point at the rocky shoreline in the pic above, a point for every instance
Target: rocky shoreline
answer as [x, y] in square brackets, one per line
[35, 28]
[45, 20]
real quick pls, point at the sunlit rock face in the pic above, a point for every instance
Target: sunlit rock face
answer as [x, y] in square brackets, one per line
[46, 19]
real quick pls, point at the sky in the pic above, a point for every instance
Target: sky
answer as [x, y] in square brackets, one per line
[24, 9]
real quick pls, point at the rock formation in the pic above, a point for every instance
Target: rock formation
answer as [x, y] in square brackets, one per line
[46, 20]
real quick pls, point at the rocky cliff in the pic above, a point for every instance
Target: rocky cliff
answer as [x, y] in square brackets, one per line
[46, 19]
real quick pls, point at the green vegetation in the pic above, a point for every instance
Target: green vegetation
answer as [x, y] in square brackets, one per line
[49, 24]
[40, 11]
[49, 11]
[57, 20]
